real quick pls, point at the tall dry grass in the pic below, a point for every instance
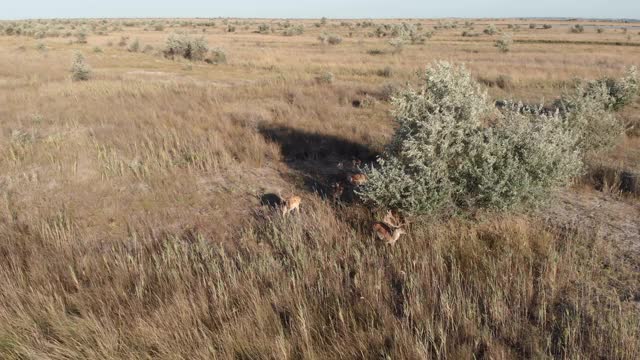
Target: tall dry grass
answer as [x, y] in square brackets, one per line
[315, 286]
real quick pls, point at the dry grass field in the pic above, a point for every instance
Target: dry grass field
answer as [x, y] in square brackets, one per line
[134, 207]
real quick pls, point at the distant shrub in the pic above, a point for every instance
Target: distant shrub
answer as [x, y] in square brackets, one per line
[80, 70]
[41, 47]
[81, 36]
[147, 49]
[185, 46]
[264, 29]
[532, 26]
[577, 29]
[600, 30]
[469, 34]
[397, 44]
[504, 44]
[325, 78]
[491, 30]
[97, 49]
[158, 27]
[376, 52]
[334, 40]
[217, 56]
[547, 26]
[134, 46]
[444, 157]
[294, 30]
[231, 28]
[123, 41]
[325, 38]
[323, 21]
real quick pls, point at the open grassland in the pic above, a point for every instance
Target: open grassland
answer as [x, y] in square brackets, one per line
[133, 221]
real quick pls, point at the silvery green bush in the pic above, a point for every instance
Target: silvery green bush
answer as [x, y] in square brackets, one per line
[588, 110]
[80, 70]
[621, 91]
[183, 45]
[453, 150]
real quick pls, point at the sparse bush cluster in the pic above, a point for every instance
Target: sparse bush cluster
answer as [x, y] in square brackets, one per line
[444, 157]
[577, 29]
[409, 33]
[330, 39]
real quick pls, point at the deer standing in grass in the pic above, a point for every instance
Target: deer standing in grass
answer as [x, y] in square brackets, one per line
[389, 230]
[290, 204]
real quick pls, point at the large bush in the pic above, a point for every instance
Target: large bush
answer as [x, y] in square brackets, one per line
[183, 45]
[452, 150]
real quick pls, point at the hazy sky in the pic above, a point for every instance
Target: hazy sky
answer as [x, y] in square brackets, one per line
[18, 9]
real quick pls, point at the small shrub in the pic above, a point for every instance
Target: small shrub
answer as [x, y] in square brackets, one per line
[217, 56]
[600, 30]
[325, 78]
[294, 30]
[231, 28]
[504, 44]
[397, 45]
[158, 27]
[134, 46]
[147, 49]
[532, 26]
[185, 46]
[491, 30]
[123, 41]
[577, 29]
[442, 156]
[41, 47]
[81, 36]
[97, 49]
[80, 70]
[376, 52]
[334, 40]
[547, 26]
[264, 29]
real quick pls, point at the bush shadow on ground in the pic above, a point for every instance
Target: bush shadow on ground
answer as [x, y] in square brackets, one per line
[316, 156]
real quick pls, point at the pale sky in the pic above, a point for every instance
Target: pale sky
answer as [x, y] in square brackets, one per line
[21, 9]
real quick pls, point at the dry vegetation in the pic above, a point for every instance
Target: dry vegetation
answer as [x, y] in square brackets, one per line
[135, 207]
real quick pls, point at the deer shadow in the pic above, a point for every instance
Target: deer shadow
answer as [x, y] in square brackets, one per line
[315, 156]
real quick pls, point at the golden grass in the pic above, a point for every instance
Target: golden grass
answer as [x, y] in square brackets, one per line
[131, 224]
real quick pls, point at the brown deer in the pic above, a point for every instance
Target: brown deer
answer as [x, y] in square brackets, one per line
[357, 179]
[290, 204]
[389, 230]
